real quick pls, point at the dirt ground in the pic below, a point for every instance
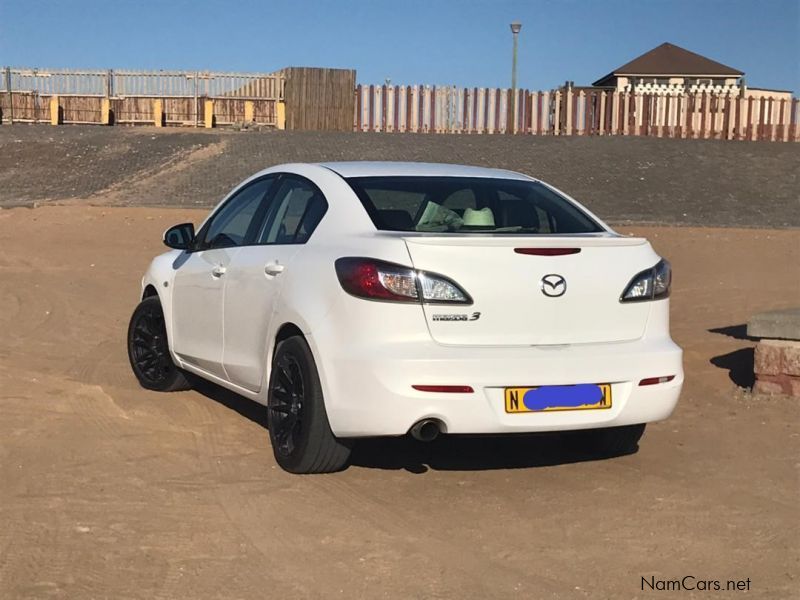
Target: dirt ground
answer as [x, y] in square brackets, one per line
[110, 491]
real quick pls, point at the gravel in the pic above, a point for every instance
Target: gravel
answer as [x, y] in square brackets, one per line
[624, 180]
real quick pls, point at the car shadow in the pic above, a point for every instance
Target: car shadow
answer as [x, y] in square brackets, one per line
[446, 453]
[253, 411]
[470, 453]
[738, 363]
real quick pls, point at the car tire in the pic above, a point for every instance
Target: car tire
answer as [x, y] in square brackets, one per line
[610, 441]
[148, 349]
[301, 435]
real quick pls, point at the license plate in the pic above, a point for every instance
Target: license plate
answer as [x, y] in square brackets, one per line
[545, 398]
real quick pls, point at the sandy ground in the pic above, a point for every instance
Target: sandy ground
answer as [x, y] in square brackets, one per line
[110, 491]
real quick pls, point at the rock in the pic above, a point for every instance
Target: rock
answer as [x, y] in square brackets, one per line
[768, 358]
[776, 324]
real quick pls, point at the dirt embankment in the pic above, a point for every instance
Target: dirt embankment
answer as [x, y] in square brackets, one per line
[641, 180]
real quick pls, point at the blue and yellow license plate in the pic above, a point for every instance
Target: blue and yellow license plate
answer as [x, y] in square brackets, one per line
[583, 396]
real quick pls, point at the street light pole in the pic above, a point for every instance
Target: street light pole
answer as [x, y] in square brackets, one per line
[515, 27]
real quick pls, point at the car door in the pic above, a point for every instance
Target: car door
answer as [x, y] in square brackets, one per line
[295, 208]
[198, 294]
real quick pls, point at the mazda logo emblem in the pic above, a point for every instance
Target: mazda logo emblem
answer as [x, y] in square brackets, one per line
[553, 285]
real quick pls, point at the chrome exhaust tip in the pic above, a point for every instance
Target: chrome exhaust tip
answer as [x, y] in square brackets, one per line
[426, 430]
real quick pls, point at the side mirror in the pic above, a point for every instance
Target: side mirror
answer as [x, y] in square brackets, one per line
[180, 237]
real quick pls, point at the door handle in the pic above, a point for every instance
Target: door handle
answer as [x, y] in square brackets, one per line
[274, 269]
[218, 271]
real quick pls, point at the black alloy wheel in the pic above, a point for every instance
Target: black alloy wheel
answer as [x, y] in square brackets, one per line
[287, 394]
[148, 349]
[299, 430]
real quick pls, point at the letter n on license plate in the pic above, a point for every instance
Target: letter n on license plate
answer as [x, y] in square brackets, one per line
[544, 398]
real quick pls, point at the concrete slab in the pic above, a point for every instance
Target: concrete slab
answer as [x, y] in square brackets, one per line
[776, 324]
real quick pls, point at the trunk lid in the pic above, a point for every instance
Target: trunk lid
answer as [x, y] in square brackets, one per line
[509, 305]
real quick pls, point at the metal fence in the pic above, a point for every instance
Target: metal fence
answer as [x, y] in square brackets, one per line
[112, 82]
[26, 95]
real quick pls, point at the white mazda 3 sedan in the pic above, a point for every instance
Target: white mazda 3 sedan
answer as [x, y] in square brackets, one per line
[379, 299]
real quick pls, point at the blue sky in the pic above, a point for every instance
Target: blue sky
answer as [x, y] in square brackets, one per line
[461, 42]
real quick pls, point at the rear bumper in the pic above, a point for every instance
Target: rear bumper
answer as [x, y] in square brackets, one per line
[368, 389]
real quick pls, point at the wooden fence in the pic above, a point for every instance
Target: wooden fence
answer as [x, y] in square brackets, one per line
[319, 99]
[85, 96]
[323, 99]
[448, 109]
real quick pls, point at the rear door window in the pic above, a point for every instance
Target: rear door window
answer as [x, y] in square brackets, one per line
[296, 208]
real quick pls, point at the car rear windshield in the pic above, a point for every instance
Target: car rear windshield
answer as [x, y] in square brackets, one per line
[462, 205]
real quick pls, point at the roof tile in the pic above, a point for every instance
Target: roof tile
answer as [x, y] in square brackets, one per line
[668, 59]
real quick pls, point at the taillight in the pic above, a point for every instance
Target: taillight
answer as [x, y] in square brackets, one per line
[650, 284]
[381, 280]
[378, 280]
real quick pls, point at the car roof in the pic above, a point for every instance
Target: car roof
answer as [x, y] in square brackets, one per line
[416, 169]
